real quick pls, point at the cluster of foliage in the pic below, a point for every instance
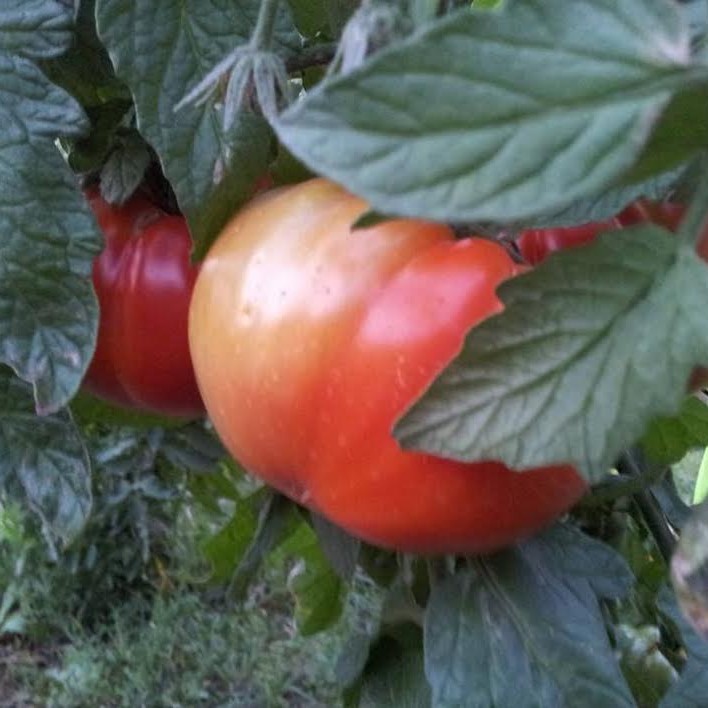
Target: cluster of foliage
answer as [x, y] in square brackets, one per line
[497, 118]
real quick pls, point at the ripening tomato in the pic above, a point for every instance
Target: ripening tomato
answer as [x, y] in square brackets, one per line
[143, 279]
[309, 340]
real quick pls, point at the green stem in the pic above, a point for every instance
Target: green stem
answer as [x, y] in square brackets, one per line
[695, 221]
[622, 486]
[262, 36]
[650, 510]
[656, 521]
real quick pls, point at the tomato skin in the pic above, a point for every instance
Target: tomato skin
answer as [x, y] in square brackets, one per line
[143, 280]
[537, 244]
[309, 340]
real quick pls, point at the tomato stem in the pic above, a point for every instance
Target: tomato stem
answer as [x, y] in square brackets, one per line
[616, 487]
[262, 36]
[633, 465]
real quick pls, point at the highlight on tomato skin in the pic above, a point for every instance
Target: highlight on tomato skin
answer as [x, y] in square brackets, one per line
[143, 280]
[309, 340]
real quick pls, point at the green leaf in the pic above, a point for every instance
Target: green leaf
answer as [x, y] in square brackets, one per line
[259, 525]
[276, 521]
[352, 660]
[338, 13]
[668, 439]
[87, 410]
[692, 688]
[44, 463]
[48, 238]
[85, 70]
[35, 28]
[193, 448]
[318, 590]
[680, 132]
[212, 173]
[570, 372]
[89, 152]
[467, 121]
[696, 14]
[647, 670]
[394, 676]
[125, 168]
[524, 628]
[126, 453]
[310, 16]
[226, 548]
[610, 202]
[220, 484]
[341, 549]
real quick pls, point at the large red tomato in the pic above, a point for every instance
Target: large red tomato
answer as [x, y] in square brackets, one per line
[143, 279]
[309, 340]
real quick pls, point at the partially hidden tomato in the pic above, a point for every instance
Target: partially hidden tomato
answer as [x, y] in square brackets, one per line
[309, 340]
[537, 244]
[143, 279]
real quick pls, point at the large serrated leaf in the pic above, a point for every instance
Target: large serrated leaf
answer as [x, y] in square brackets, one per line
[47, 238]
[592, 345]
[498, 115]
[524, 628]
[44, 463]
[160, 60]
[35, 28]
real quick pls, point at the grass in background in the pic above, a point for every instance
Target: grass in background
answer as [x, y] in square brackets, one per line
[185, 650]
[184, 646]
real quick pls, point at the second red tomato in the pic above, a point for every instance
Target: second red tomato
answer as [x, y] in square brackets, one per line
[144, 280]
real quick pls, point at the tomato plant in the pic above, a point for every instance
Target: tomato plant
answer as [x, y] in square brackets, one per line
[310, 340]
[360, 372]
[143, 279]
